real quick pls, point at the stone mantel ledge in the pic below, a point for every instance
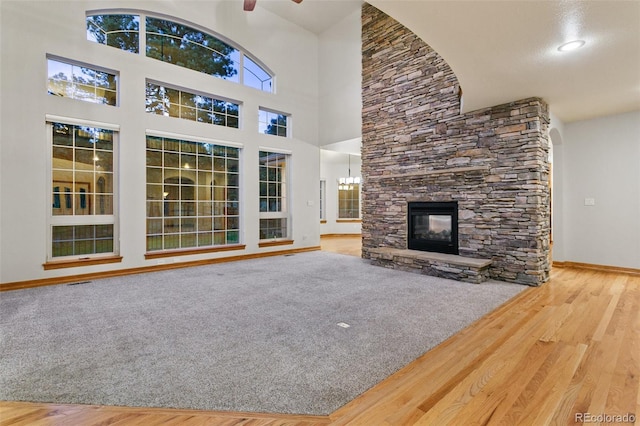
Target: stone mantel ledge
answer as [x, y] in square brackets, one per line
[442, 265]
[452, 170]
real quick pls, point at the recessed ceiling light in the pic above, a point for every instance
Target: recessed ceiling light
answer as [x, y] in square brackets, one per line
[572, 45]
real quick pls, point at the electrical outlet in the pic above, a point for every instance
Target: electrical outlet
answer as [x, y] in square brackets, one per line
[589, 201]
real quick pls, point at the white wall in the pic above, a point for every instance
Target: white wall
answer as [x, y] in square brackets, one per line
[334, 165]
[340, 76]
[600, 159]
[340, 112]
[32, 29]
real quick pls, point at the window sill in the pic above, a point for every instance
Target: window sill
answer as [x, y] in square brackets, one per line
[349, 221]
[273, 243]
[60, 264]
[185, 252]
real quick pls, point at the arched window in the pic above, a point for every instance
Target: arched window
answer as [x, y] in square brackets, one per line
[179, 44]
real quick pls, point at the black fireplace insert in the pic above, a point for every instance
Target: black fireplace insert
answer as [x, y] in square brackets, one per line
[433, 226]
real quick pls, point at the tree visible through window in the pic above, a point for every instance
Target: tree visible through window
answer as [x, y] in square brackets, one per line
[82, 83]
[181, 45]
[120, 31]
[272, 123]
[171, 102]
[190, 48]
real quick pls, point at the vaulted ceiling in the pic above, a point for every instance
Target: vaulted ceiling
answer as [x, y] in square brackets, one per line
[508, 50]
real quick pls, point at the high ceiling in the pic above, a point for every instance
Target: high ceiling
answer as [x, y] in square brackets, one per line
[507, 50]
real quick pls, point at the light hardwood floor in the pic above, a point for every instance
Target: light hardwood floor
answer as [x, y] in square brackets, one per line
[568, 347]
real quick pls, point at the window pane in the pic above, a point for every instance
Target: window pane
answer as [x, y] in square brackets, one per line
[120, 31]
[187, 47]
[182, 104]
[273, 228]
[348, 200]
[255, 76]
[81, 83]
[62, 135]
[81, 240]
[272, 123]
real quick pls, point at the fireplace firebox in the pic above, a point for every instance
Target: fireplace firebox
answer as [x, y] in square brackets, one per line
[433, 226]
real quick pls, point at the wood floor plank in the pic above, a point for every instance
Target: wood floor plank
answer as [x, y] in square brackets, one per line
[541, 413]
[491, 402]
[622, 394]
[570, 346]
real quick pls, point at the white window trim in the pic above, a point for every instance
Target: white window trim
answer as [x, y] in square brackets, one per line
[192, 138]
[50, 118]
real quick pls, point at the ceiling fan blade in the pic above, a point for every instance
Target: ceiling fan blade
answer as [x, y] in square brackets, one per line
[250, 4]
[298, 1]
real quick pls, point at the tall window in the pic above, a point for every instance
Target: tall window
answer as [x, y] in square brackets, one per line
[273, 123]
[274, 209]
[83, 197]
[171, 102]
[193, 193]
[82, 83]
[349, 198]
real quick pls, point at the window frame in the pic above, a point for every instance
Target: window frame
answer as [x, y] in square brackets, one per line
[182, 91]
[347, 181]
[163, 252]
[285, 210]
[79, 220]
[270, 115]
[92, 67]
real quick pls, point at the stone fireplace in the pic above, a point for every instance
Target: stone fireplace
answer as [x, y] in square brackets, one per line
[417, 147]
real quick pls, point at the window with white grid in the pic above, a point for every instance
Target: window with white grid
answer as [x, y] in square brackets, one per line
[193, 194]
[274, 209]
[82, 191]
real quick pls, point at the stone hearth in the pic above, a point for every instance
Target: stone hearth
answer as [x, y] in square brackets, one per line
[417, 146]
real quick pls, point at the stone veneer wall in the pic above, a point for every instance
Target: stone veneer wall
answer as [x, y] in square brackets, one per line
[416, 146]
